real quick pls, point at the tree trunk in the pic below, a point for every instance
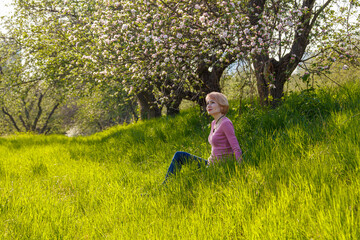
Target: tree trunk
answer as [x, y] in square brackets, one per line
[210, 81]
[281, 71]
[173, 107]
[263, 73]
[134, 112]
[271, 75]
[148, 106]
[173, 101]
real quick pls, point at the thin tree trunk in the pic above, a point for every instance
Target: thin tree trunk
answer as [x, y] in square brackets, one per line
[25, 125]
[33, 127]
[48, 119]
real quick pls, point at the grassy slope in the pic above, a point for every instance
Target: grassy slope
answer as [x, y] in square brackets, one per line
[299, 179]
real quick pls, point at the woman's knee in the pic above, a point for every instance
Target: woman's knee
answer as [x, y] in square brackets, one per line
[179, 154]
[180, 157]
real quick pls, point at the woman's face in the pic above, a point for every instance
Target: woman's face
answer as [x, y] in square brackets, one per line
[213, 107]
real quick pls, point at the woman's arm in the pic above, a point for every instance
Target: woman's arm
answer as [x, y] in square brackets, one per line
[230, 135]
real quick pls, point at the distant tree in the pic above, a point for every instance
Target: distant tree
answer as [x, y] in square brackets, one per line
[26, 103]
[52, 69]
[103, 108]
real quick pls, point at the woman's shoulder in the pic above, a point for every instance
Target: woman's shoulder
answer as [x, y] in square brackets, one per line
[227, 121]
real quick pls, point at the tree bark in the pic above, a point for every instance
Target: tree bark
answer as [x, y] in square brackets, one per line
[263, 73]
[172, 108]
[148, 106]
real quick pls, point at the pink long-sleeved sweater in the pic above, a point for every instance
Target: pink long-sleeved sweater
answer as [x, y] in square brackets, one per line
[223, 140]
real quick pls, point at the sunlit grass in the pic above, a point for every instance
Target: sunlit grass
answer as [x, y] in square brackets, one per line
[299, 178]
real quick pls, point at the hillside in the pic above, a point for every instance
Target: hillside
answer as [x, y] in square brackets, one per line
[300, 177]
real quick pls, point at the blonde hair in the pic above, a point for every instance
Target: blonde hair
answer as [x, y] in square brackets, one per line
[220, 99]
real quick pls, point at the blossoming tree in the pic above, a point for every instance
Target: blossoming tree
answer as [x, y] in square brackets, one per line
[165, 50]
[192, 42]
[202, 38]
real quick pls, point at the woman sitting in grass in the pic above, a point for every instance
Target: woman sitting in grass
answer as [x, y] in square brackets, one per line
[222, 137]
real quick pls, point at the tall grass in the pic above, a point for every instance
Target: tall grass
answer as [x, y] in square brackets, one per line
[299, 178]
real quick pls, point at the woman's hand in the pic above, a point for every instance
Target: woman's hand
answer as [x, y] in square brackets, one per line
[210, 160]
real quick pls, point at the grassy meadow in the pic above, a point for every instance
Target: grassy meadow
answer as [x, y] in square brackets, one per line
[300, 177]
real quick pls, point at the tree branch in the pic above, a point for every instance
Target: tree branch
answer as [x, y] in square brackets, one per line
[11, 118]
[33, 127]
[316, 15]
[48, 118]
[23, 123]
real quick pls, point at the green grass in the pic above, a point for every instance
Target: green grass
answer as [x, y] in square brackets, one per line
[299, 178]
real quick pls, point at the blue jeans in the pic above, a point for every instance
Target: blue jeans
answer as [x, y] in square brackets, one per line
[181, 158]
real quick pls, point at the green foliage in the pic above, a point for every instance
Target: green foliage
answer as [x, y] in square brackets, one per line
[299, 178]
[104, 107]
